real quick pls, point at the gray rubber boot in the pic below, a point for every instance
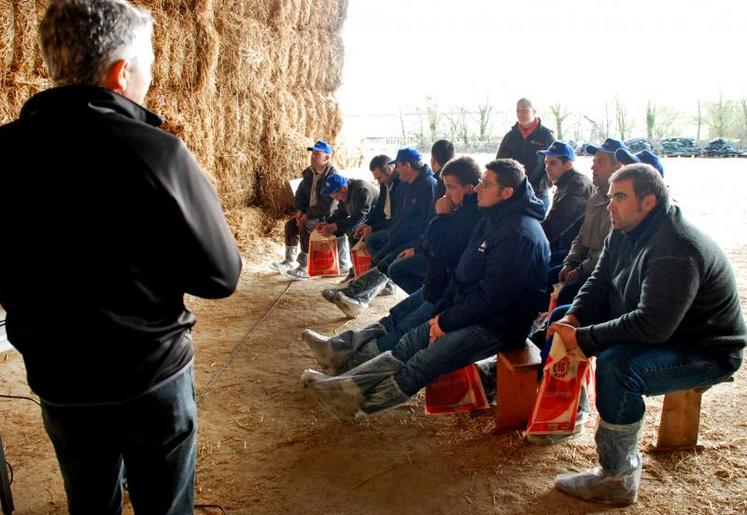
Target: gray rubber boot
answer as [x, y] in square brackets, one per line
[365, 352]
[332, 352]
[291, 252]
[344, 395]
[385, 395]
[300, 273]
[617, 480]
[353, 299]
[343, 255]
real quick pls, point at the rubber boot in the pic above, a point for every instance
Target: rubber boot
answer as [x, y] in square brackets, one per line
[343, 255]
[332, 352]
[355, 298]
[300, 273]
[344, 396]
[617, 480]
[365, 352]
[291, 252]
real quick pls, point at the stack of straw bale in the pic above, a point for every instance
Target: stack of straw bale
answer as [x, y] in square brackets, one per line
[248, 84]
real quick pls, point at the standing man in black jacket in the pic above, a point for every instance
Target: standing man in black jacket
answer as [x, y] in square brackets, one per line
[523, 141]
[132, 225]
[311, 209]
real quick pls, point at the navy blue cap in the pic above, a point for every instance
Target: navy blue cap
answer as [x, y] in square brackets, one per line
[321, 146]
[644, 156]
[559, 149]
[609, 146]
[333, 183]
[407, 155]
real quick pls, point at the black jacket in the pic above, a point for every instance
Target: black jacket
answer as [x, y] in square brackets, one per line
[377, 219]
[566, 215]
[325, 205]
[415, 209]
[109, 221]
[500, 282]
[352, 213]
[514, 146]
[443, 244]
[664, 282]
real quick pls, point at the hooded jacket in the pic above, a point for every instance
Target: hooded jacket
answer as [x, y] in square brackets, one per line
[443, 244]
[352, 213]
[664, 282]
[415, 209]
[109, 221]
[500, 282]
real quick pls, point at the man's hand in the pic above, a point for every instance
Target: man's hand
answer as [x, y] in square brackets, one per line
[573, 276]
[301, 218]
[435, 330]
[569, 320]
[567, 334]
[406, 253]
[363, 232]
[563, 275]
[326, 229]
[444, 206]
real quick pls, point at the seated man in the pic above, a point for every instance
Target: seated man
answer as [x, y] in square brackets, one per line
[355, 199]
[444, 242]
[414, 213]
[660, 312]
[495, 292]
[572, 191]
[587, 244]
[408, 270]
[311, 208]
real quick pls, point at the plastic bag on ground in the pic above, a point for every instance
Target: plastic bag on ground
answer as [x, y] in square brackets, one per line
[323, 258]
[459, 391]
[361, 258]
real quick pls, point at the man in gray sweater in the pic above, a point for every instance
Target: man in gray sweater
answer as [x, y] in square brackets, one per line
[661, 313]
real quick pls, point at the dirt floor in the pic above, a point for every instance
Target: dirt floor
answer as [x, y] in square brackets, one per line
[266, 447]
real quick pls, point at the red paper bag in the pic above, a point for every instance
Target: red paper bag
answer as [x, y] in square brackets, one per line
[459, 391]
[361, 258]
[558, 397]
[323, 255]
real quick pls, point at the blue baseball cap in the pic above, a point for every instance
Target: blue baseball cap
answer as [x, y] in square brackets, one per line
[609, 146]
[407, 155]
[333, 183]
[559, 149]
[644, 156]
[321, 146]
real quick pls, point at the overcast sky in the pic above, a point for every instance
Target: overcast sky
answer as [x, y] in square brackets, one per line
[574, 52]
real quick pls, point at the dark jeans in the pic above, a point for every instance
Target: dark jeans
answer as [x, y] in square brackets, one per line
[293, 234]
[408, 273]
[153, 435]
[376, 241]
[407, 314]
[423, 362]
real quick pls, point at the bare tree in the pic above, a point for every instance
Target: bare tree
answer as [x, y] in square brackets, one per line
[622, 120]
[402, 125]
[560, 114]
[720, 117]
[699, 120]
[650, 120]
[431, 110]
[743, 111]
[484, 112]
[458, 124]
[666, 124]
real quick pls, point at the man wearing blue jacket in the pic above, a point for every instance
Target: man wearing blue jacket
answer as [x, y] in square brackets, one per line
[414, 213]
[498, 288]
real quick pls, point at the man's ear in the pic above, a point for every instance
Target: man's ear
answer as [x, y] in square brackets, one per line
[117, 76]
[649, 202]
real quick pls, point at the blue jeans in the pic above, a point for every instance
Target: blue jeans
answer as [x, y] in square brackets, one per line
[625, 373]
[456, 349]
[408, 273]
[376, 241]
[407, 314]
[154, 435]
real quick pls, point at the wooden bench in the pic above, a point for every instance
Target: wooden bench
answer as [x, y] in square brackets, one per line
[516, 389]
[680, 421]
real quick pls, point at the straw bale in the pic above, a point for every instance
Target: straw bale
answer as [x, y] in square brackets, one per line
[6, 37]
[244, 62]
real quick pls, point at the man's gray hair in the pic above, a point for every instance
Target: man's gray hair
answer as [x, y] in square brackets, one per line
[81, 39]
[646, 181]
